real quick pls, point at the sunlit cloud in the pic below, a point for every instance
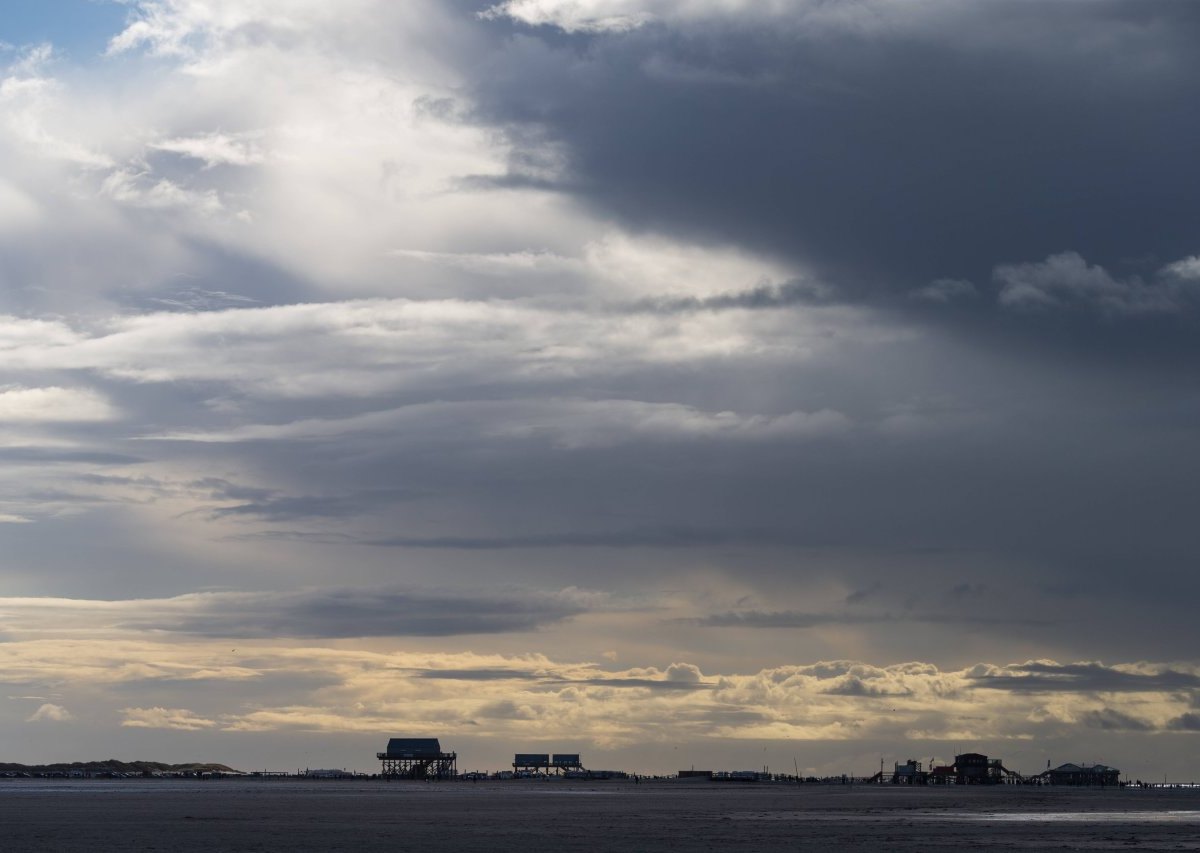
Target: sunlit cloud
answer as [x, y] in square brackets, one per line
[49, 712]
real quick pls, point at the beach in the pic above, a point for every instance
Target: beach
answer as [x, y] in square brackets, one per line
[290, 815]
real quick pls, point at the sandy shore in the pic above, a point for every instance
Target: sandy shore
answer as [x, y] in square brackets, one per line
[228, 815]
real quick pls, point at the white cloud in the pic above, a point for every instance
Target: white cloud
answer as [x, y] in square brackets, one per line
[1188, 268]
[364, 347]
[17, 208]
[32, 60]
[316, 612]
[143, 190]
[328, 103]
[193, 27]
[497, 263]
[539, 696]
[594, 423]
[50, 712]
[649, 266]
[31, 105]
[625, 15]
[1066, 280]
[179, 719]
[576, 15]
[687, 673]
[217, 149]
[53, 404]
[359, 172]
[19, 332]
[565, 422]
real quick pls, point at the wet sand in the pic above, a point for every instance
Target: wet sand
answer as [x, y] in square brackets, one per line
[290, 815]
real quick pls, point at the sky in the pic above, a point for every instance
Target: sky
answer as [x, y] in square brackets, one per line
[680, 383]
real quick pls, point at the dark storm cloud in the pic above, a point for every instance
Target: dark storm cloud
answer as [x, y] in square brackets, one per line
[160, 686]
[1062, 487]
[642, 683]
[287, 508]
[272, 506]
[474, 674]
[764, 296]
[1185, 723]
[1060, 496]
[50, 455]
[334, 613]
[1004, 133]
[151, 484]
[797, 619]
[967, 590]
[666, 537]
[786, 619]
[858, 596]
[60, 497]
[1111, 720]
[504, 709]
[722, 716]
[552, 679]
[220, 489]
[853, 686]
[1051, 677]
[307, 536]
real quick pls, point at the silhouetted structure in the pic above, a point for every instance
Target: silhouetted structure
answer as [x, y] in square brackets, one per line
[531, 762]
[562, 761]
[1083, 774]
[542, 762]
[971, 768]
[417, 758]
[910, 773]
[942, 774]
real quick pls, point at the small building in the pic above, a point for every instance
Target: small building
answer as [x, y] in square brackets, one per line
[971, 768]
[417, 758]
[562, 761]
[910, 772]
[527, 763]
[328, 773]
[942, 774]
[1083, 774]
[543, 763]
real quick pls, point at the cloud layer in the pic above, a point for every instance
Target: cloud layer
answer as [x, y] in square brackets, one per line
[1016, 710]
[666, 334]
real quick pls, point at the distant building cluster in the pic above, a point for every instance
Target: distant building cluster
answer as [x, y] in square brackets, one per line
[973, 768]
[423, 758]
[1083, 774]
[970, 768]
